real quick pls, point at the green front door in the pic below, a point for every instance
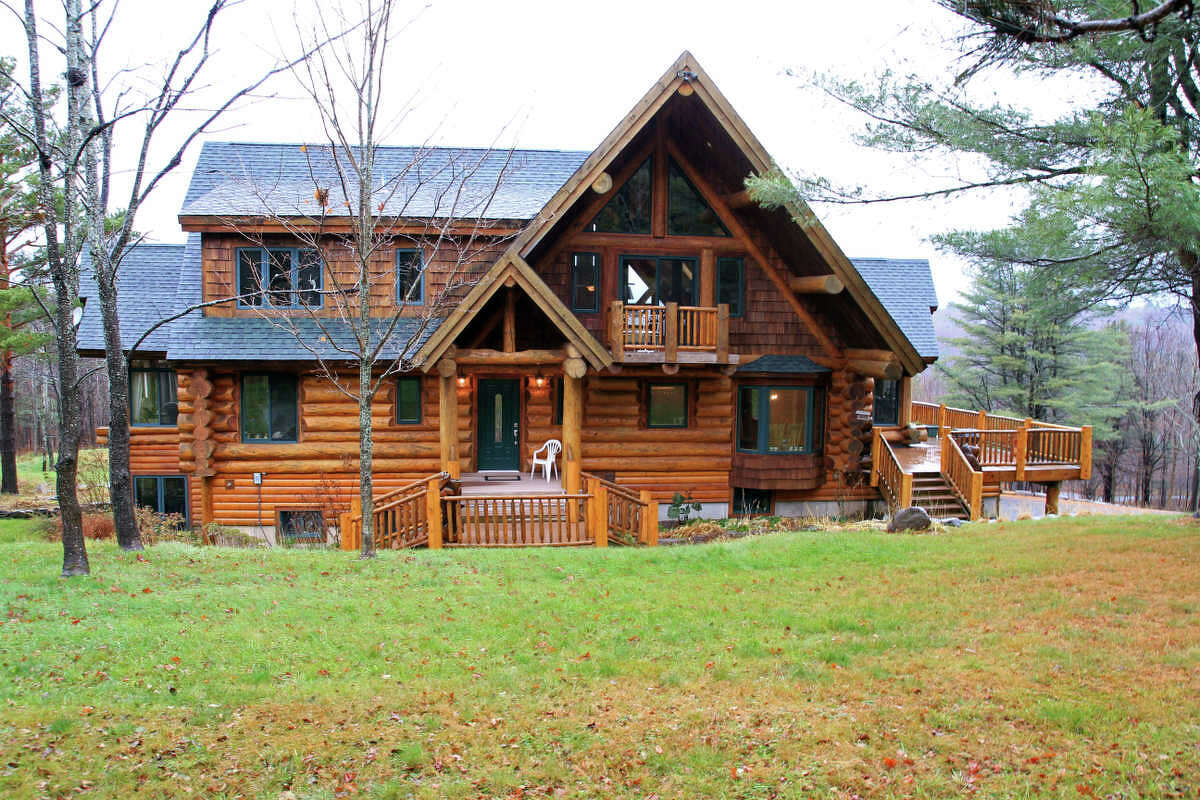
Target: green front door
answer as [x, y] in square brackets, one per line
[499, 423]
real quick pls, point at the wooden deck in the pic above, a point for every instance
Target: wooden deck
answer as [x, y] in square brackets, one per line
[974, 449]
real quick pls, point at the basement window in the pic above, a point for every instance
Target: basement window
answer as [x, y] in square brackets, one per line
[301, 526]
[269, 408]
[753, 502]
[778, 420]
[278, 277]
[152, 398]
[408, 401]
[163, 494]
[410, 277]
[887, 402]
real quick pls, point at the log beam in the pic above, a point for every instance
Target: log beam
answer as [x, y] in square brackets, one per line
[510, 320]
[816, 284]
[483, 357]
[887, 370]
[739, 199]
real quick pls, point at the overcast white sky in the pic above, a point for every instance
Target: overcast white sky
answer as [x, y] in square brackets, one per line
[561, 74]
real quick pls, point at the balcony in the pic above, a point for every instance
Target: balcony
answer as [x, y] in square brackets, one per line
[668, 334]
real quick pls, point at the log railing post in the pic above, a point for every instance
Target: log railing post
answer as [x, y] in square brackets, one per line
[876, 451]
[976, 495]
[671, 333]
[350, 539]
[943, 427]
[433, 511]
[616, 330]
[1085, 453]
[572, 424]
[723, 333]
[598, 511]
[649, 534]
[906, 488]
[1022, 451]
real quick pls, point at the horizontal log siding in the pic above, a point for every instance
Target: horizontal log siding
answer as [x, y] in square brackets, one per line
[218, 256]
[662, 461]
[152, 451]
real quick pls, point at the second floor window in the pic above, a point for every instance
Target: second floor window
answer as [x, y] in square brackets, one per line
[152, 399]
[729, 284]
[269, 407]
[410, 277]
[585, 277]
[278, 277]
[408, 400]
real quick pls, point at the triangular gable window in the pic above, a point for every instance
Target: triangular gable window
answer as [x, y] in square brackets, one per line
[629, 209]
[687, 213]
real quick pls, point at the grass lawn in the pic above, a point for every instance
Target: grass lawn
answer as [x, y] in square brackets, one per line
[1054, 659]
[36, 487]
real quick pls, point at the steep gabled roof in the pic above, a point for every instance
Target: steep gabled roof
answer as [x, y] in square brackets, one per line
[146, 288]
[687, 70]
[512, 269]
[905, 287]
[235, 179]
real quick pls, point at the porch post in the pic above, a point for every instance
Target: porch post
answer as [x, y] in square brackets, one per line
[573, 371]
[448, 417]
[1052, 490]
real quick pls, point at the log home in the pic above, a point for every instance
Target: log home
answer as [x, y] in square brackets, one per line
[632, 303]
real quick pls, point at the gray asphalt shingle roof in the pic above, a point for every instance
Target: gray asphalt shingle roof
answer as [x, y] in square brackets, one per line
[239, 178]
[157, 281]
[146, 284]
[905, 288]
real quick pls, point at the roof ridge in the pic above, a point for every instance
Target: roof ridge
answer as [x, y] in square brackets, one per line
[472, 148]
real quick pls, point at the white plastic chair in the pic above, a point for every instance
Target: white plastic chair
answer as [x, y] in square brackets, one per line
[548, 462]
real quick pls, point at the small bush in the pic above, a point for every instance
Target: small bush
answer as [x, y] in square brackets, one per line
[155, 528]
[221, 536]
[95, 526]
[93, 477]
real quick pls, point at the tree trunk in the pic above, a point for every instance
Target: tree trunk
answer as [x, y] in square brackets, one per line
[120, 480]
[366, 446]
[8, 428]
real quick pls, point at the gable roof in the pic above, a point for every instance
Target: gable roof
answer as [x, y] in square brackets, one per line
[513, 267]
[687, 70]
[252, 179]
[156, 281]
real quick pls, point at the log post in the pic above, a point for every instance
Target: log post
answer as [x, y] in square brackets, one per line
[1085, 453]
[649, 532]
[433, 511]
[448, 417]
[723, 333]
[510, 320]
[943, 428]
[349, 531]
[1052, 490]
[876, 454]
[671, 333]
[708, 278]
[906, 489]
[976, 495]
[982, 423]
[616, 330]
[572, 426]
[598, 511]
[1022, 451]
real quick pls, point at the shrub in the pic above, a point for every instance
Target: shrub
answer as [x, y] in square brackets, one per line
[95, 526]
[93, 476]
[231, 537]
[155, 528]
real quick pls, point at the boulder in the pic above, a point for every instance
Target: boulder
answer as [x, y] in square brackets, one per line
[913, 518]
[951, 522]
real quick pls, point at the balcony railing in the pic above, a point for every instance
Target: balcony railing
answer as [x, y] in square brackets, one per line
[662, 333]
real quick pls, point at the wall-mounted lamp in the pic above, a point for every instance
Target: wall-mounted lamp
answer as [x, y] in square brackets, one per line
[540, 380]
[462, 380]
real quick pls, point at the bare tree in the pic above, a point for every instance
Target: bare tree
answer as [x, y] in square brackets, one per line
[358, 316]
[80, 158]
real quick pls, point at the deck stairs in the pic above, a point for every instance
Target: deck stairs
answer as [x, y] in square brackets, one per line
[931, 492]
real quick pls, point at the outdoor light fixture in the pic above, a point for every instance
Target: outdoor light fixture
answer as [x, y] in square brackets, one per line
[462, 380]
[540, 380]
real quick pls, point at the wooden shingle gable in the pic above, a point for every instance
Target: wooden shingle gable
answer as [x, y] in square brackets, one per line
[686, 76]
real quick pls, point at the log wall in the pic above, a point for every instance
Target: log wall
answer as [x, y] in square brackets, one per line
[152, 451]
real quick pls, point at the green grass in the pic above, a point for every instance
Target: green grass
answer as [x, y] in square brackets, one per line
[36, 486]
[1058, 658]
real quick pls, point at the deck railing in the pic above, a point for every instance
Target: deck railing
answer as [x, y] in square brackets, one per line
[886, 472]
[517, 520]
[430, 512]
[1005, 441]
[669, 329]
[962, 478]
[632, 516]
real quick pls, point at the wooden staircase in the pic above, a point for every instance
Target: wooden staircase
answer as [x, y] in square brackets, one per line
[931, 492]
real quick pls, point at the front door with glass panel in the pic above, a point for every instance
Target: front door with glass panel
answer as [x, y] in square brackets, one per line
[499, 424]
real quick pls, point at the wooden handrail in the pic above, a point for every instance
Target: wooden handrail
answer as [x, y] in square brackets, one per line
[887, 472]
[670, 328]
[963, 479]
[633, 514]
